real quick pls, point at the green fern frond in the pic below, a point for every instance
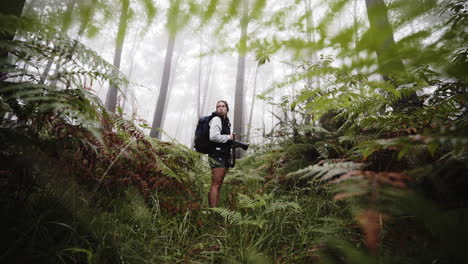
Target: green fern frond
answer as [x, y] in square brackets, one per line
[75, 59]
[325, 172]
[232, 217]
[71, 103]
[313, 129]
[257, 201]
[237, 219]
[410, 145]
[140, 211]
[283, 206]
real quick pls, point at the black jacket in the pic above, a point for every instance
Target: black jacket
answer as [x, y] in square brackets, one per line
[221, 149]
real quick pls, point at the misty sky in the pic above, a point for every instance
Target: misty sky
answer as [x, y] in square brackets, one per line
[145, 49]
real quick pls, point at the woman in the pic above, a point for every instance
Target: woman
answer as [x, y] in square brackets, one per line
[220, 137]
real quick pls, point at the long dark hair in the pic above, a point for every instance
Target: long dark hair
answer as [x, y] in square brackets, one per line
[222, 101]
[227, 107]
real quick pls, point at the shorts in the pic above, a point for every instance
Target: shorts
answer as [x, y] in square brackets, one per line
[219, 162]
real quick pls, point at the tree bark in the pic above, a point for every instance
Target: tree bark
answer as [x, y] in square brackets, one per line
[46, 71]
[111, 98]
[11, 8]
[389, 62]
[356, 35]
[312, 58]
[249, 127]
[160, 105]
[45, 74]
[309, 35]
[170, 88]
[200, 63]
[207, 85]
[383, 40]
[239, 94]
[130, 71]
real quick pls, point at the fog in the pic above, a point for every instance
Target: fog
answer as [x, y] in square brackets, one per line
[144, 52]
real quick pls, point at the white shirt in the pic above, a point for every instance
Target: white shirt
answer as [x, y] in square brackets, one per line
[215, 131]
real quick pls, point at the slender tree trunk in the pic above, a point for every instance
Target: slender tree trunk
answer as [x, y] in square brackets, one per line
[181, 124]
[160, 105]
[134, 109]
[130, 71]
[66, 26]
[11, 8]
[309, 36]
[239, 94]
[249, 127]
[111, 98]
[312, 58]
[384, 45]
[68, 12]
[272, 105]
[207, 85]
[200, 62]
[356, 35]
[67, 19]
[173, 25]
[264, 105]
[171, 85]
[69, 56]
[46, 71]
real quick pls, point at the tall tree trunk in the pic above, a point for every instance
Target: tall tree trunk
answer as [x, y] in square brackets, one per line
[68, 12]
[356, 35]
[12, 7]
[272, 105]
[9, 8]
[171, 83]
[309, 35]
[384, 45]
[181, 124]
[249, 127]
[160, 105]
[46, 71]
[130, 71]
[239, 94]
[173, 26]
[111, 98]
[264, 115]
[207, 85]
[200, 63]
[312, 58]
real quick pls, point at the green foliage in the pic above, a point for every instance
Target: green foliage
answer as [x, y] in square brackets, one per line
[178, 15]
[257, 8]
[81, 185]
[374, 148]
[210, 11]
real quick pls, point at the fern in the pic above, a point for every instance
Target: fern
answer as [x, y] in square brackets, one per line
[324, 172]
[283, 206]
[257, 202]
[236, 219]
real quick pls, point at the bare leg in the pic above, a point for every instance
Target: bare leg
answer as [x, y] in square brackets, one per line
[216, 183]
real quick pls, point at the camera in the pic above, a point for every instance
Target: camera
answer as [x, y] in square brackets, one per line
[238, 144]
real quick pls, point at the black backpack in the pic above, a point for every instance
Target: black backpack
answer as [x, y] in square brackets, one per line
[202, 135]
